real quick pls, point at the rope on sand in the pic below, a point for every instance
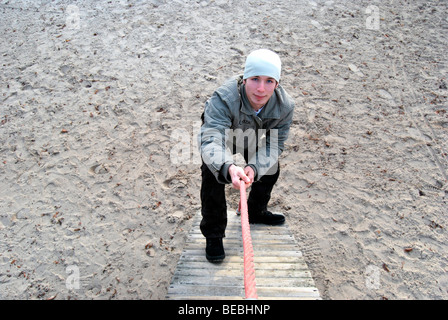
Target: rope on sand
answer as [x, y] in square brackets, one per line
[249, 268]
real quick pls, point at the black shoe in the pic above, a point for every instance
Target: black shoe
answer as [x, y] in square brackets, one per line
[214, 250]
[268, 218]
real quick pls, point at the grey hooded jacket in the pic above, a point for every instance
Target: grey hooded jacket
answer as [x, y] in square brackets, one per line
[231, 126]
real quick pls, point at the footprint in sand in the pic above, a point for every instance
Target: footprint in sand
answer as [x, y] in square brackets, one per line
[98, 169]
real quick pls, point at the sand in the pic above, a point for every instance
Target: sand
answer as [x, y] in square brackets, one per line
[100, 100]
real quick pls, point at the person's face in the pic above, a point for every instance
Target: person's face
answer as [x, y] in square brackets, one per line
[259, 90]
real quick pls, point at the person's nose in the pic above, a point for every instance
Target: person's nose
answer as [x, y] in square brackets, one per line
[261, 86]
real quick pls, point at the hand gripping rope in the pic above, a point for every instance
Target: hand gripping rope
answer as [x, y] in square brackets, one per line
[249, 269]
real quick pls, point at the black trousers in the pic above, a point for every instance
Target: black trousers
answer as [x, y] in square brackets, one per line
[214, 207]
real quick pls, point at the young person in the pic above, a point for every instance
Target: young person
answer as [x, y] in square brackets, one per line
[251, 115]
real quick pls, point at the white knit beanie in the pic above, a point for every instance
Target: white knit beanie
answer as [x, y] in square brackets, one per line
[263, 62]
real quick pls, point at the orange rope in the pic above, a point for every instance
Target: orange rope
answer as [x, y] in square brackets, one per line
[249, 269]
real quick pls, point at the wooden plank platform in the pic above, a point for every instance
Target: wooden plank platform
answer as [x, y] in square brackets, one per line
[280, 269]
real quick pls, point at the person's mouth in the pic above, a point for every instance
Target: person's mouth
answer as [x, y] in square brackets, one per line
[259, 97]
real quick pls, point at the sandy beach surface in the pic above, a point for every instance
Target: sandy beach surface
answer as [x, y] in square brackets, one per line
[99, 174]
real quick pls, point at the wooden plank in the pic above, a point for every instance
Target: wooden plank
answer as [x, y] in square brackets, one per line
[256, 246]
[230, 272]
[240, 258]
[237, 242]
[239, 252]
[304, 281]
[254, 228]
[206, 290]
[238, 265]
[280, 270]
[254, 236]
[239, 291]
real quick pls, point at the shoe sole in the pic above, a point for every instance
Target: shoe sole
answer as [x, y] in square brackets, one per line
[215, 259]
[268, 224]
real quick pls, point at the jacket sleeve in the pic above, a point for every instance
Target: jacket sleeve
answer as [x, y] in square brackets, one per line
[213, 137]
